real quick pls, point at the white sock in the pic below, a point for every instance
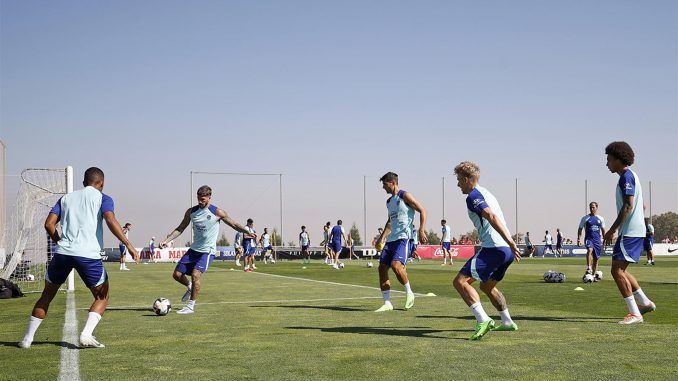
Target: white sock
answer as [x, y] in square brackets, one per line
[505, 317]
[33, 324]
[247, 267]
[190, 285]
[191, 304]
[641, 297]
[92, 321]
[479, 312]
[408, 289]
[387, 295]
[632, 306]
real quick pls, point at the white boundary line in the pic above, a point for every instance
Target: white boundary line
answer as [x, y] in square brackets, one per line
[332, 283]
[69, 369]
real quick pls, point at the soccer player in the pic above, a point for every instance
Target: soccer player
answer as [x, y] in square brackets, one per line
[594, 228]
[305, 242]
[401, 207]
[266, 246]
[205, 218]
[649, 242]
[529, 248]
[326, 243]
[445, 243]
[151, 248]
[559, 243]
[81, 214]
[489, 265]
[249, 244]
[337, 234]
[414, 243]
[631, 227]
[237, 245]
[548, 244]
[123, 248]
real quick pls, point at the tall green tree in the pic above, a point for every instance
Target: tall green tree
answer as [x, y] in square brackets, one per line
[223, 241]
[355, 235]
[276, 239]
[433, 238]
[665, 226]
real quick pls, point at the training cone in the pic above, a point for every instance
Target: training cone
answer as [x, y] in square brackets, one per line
[579, 289]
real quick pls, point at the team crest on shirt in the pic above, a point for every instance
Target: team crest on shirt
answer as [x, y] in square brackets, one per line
[209, 217]
[477, 201]
[628, 186]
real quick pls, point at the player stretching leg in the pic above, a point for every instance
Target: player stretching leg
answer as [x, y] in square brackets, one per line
[80, 214]
[631, 227]
[497, 252]
[205, 219]
[401, 207]
[594, 229]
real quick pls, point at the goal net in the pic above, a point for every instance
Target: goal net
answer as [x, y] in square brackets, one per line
[26, 249]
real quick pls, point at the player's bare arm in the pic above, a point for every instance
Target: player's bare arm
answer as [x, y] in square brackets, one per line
[625, 211]
[116, 229]
[50, 226]
[180, 229]
[231, 222]
[579, 237]
[414, 204]
[492, 218]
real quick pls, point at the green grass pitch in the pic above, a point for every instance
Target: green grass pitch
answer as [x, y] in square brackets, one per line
[278, 323]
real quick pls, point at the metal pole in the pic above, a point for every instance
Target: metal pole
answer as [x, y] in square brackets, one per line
[516, 210]
[443, 197]
[650, 201]
[282, 240]
[69, 189]
[365, 210]
[190, 201]
[586, 196]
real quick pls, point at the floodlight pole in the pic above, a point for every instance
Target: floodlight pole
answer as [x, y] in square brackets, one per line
[586, 196]
[516, 210]
[443, 197]
[282, 240]
[651, 203]
[365, 209]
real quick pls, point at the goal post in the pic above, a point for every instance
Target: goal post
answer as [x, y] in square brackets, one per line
[28, 248]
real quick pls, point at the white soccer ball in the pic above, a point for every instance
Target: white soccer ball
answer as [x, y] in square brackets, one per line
[341, 265]
[588, 278]
[30, 277]
[162, 306]
[369, 264]
[599, 275]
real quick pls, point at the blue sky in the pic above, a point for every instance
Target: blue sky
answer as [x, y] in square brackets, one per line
[327, 92]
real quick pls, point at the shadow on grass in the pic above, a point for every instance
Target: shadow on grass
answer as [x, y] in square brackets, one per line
[423, 332]
[113, 309]
[62, 344]
[332, 308]
[572, 319]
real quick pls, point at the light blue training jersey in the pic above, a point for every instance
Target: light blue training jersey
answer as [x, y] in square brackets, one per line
[401, 216]
[629, 185]
[205, 229]
[479, 199]
[303, 238]
[81, 214]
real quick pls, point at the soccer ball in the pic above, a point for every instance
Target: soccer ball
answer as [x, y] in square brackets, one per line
[341, 265]
[369, 264]
[30, 277]
[162, 306]
[599, 275]
[587, 278]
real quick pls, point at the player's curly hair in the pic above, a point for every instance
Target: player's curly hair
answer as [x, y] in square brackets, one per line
[389, 177]
[621, 151]
[467, 169]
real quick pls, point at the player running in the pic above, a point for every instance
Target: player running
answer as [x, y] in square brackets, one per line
[304, 243]
[594, 228]
[81, 214]
[649, 242]
[631, 227]
[401, 207]
[337, 238]
[205, 218]
[446, 242]
[123, 248]
[267, 250]
[497, 252]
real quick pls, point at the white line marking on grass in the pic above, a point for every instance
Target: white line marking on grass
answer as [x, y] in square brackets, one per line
[70, 359]
[332, 283]
[262, 301]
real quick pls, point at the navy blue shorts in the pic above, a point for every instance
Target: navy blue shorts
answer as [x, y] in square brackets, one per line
[628, 249]
[488, 263]
[193, 260]
[123, 250]
[648, 243]
[91, 271]
[249, 250]
[447, 245]
[267, 248]
[596, 248]
[398, 250]
[336, 247]
[304, 247]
